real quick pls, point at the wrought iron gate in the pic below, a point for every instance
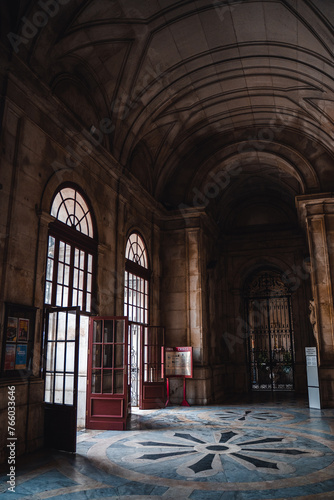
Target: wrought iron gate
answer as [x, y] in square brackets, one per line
[145, 366]
[270, 333]
[134, 346]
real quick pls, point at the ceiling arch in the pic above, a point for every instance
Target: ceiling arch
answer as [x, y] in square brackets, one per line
[237, 159]
[257, 155]
[259, 199]
[186, 82]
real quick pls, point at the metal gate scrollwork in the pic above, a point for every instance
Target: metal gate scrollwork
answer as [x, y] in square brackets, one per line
[270, 332]
[134, 362]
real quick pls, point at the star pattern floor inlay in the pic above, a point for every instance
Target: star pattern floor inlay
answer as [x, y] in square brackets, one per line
[204, 456]
[280, 450]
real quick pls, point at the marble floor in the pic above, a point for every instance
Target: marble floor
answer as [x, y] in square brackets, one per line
[251, 450]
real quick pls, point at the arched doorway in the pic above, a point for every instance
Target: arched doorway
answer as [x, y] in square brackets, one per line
[69, 292]
[270, 332]
[136, 306]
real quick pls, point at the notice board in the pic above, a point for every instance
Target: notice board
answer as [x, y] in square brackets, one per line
[179, 362]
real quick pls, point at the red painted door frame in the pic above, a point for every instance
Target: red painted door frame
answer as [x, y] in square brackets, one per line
[107, 383]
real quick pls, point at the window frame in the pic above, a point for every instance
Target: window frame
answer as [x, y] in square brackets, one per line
[75, 239]
[89, 212]
[141, 272]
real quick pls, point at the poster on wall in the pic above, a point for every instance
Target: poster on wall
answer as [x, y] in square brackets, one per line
[23, 330]
[178, 362]
[11, 334]
[10, 357]
[18, 340]
[21, 357]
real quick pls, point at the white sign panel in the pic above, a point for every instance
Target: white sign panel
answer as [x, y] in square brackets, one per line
[312, 377]
[311, 360]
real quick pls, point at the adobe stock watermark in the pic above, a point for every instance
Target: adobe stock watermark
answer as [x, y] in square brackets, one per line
[293, 279]
[211, 189]
[75, 155]
[30, 28]
[243, 328]
[120, 108]
[154, 76]
[11, 439]
[223, 8]
[219, 181]
[93, 139]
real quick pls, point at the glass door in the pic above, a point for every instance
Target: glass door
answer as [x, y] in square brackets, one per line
[61, 343]
[107, 389]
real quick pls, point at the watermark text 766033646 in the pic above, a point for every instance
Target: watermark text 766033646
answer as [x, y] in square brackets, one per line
[11, 444]
[30, 28]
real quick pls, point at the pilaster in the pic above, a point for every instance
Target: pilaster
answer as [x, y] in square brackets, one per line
[317, 215]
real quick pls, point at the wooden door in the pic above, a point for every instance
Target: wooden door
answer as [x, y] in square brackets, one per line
[61, 343]
[153, 392]
[107, 388]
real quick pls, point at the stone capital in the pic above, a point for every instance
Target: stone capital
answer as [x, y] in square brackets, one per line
[313, 205]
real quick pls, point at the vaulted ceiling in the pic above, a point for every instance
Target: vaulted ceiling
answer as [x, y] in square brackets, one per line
[196, 89]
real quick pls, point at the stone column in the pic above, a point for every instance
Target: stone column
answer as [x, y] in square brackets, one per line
[183, 301]
[194, 293]
[317, 213]
[200, 387]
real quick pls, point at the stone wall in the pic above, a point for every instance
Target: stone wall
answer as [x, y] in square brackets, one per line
[241, 256]
[43, 147]
[197, 272]
[29, 415]
[184, 293]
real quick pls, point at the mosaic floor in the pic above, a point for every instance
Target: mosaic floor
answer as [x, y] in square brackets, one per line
[278, 450]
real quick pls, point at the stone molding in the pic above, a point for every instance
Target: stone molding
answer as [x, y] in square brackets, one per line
[314, 204]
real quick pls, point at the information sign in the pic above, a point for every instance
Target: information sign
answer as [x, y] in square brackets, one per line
[178, 362]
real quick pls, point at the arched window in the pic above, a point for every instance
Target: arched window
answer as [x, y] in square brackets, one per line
[135, 250]
[136, 291]
[71, 251]
[70, 208]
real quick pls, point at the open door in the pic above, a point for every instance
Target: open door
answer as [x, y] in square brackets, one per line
[134, 360]
[61, 343]
[152, 393]
[107, 389]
